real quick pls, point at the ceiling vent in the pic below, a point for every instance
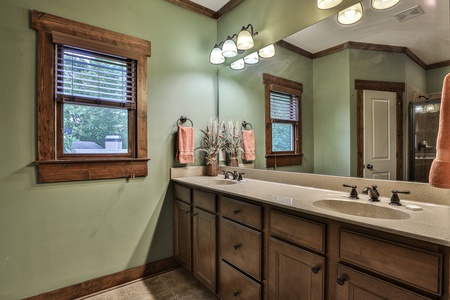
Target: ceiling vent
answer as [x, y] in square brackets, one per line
[409, 13]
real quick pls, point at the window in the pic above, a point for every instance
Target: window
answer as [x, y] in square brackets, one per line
[283, 123]
[92, 101]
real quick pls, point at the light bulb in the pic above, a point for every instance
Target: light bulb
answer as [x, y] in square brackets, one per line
[384, 4]
[327, 4]
[244, 40]
[216, 57]
[229, 48]
[267, 52]
[252, 58]
[238, 65]
[350, 15]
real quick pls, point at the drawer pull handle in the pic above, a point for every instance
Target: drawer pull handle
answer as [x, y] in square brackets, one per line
[194, 214]
[341, 280]
[315, 269]
[236, 246]
[236, 211]
[236, 293]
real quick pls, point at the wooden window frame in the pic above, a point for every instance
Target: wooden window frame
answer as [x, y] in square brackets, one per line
[51, 168]
[280, 159]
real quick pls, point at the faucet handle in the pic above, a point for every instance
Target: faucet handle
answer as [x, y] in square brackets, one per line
[353, 192]
[239, 178]
[225, 175]
[395, 200]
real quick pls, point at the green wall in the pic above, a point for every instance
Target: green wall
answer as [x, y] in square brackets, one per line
[435, 79]
[332, 114]
[56, 235]
[242, 97]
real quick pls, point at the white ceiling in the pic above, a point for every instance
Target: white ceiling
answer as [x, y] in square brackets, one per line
[214, 5]
[426, 35]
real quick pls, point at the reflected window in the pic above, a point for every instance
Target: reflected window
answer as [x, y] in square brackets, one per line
[283, 121]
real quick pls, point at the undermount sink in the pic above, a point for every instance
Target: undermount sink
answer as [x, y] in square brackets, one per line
[218, 181]
[361, 209]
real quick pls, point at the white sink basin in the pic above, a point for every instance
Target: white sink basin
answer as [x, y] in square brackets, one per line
[218, 181]
[361, 209]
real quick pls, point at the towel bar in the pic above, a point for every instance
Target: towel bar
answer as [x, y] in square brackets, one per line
[184, 119]
[244, 125]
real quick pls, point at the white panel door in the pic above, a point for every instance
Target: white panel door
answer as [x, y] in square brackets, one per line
[380, 157]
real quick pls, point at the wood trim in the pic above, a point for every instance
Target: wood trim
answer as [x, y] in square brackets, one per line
[294, 49]
[62, 170]
[271, 79]
[108, 281]
[231, 4]
[399, 89]
[41, 21]
[438, 65]
[282, 160]
[374, 47]
[53, 167]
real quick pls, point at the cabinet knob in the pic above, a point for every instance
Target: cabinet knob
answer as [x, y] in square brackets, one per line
[341, 280]
[236, 246]
[236, 293]
[315, 269]
[194, 214]
[236, 211]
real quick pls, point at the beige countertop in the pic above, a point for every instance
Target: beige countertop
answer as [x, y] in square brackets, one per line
[431, 224]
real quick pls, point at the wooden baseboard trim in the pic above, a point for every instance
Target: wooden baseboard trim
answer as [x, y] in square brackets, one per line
[108, 281]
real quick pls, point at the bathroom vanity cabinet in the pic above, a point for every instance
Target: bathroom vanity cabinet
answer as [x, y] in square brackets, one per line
[260, 250]
[195, 233]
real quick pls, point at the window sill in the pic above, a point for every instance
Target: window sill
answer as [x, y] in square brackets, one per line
[90, 169]
[282, 160]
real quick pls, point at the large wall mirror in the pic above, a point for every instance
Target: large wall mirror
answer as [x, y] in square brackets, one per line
[411, 48]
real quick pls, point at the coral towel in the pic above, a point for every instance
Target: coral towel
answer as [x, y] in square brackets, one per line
[440, 168]
[248, 143]
[185, 145]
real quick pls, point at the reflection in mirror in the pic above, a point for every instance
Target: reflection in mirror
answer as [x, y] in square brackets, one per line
[417, 55]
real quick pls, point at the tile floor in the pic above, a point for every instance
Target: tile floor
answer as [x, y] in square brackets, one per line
[173, 285]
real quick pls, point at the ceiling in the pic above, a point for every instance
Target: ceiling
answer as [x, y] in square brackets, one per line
[426, 35]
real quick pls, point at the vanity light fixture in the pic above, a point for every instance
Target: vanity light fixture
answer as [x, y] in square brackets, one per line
[244, 39]
[238, 65]
[216, 57]
[327, 4]
[383, 4]
[252, 58]
[229, 48]
[267, 52]
[350, 15]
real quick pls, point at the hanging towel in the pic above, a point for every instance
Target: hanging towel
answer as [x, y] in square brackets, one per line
[440, 168]
[248, 143]
[185, 145]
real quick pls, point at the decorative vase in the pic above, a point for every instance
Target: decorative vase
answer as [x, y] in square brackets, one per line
[234, 162]
[212, 169]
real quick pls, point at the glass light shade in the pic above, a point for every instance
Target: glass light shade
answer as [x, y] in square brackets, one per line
[238, 65]
[229, 48]
[431, 108]
[244, 40]
[267, 52]
[216, 57]
[351, 15]
[252, 58]
[384, 4]
[326, 4]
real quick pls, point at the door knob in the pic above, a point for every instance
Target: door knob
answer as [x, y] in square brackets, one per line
[369, 166]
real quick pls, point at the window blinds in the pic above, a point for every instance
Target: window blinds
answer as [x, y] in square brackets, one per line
[283, 106]
[93, 78]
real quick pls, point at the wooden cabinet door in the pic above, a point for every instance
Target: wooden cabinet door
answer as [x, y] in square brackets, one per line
[204, 248]
[294, 273]
[354, 285]
[182, 234]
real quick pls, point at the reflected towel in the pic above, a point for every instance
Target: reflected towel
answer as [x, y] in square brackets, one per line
[185, 145]
[440, 168]
[248, 143]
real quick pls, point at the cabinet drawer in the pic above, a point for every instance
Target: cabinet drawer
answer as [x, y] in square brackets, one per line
[204, 200]
[241, 246]
[234, 284]
[182, 193]
[241, 212]
[356, 285]
[416, 267]
[303, 232]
